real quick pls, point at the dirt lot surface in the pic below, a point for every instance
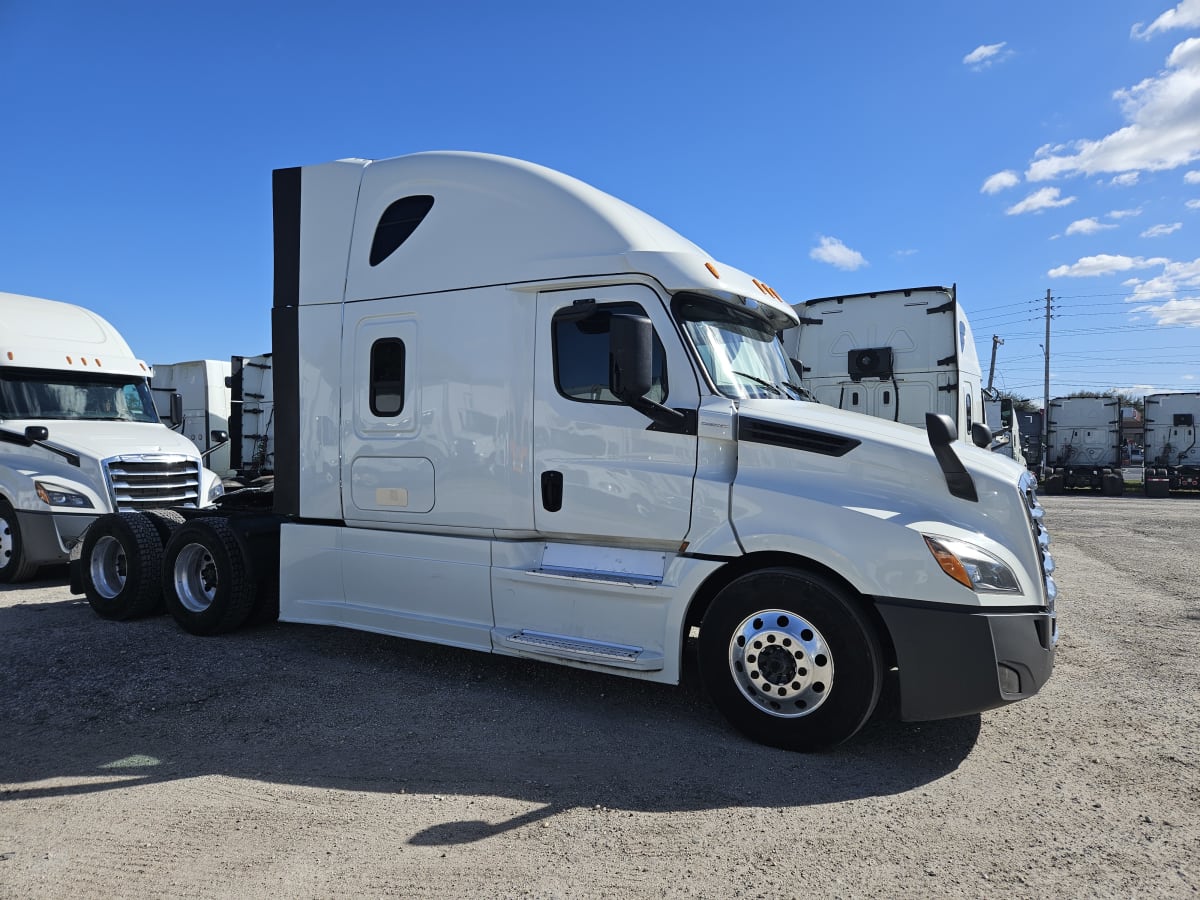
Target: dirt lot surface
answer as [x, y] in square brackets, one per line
[296, 761]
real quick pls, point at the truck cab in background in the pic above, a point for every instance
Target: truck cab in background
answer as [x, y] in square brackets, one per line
[896, 355]
[1083, 445]
[1172, 457]
[79, 434]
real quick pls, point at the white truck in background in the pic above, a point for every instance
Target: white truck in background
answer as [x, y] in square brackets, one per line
[79, 434]
[232, 396]
[896, 355]
[1005, 426]
[203, 386]
[1083, 445]
[517, 415]
[1172, 459]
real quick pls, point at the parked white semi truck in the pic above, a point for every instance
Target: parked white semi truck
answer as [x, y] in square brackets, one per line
[894, 354]
[515, 414]
[1083, 445]
[79, 435]
[1172, 458]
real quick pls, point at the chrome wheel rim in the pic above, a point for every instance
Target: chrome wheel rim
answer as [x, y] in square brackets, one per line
[781, 663]
[109, 567]
[195, 578]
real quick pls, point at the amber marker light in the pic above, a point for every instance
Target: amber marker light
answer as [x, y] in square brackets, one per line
[713, 269]
[949, 562]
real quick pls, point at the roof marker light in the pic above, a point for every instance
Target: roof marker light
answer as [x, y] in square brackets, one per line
[713, 269]
[70, 362]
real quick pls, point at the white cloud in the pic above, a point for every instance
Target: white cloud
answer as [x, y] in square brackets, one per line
[1176, 278]
[1162, 230]
[1104, 264]
[831, 250]
[1163, 130]
[1192, 177]
[1128, 179]
[1124, 213]
[1043, 198]
[1192, 204]
[1001, 181]
[1185, 15]
[1175, 312]
[1088, 226]
[986, 55]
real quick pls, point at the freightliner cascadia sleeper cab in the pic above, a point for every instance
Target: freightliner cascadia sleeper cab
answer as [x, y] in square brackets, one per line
[515, 414]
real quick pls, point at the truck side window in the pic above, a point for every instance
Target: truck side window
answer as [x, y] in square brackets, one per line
[397, 224]
[387, 377]
[581, 356]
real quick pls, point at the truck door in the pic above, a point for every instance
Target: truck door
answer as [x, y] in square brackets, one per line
[603, 473]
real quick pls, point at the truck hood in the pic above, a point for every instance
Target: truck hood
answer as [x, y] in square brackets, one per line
[101, 440]
[884, 457]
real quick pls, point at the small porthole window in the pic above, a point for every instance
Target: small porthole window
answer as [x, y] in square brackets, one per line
[397, 224]
[387, 377]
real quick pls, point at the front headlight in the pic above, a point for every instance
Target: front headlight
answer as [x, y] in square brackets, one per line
[972, 566]
[60, 497]
[216, 490]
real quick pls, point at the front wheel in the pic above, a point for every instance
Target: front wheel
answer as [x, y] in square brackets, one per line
[14, 561]
[789, 660]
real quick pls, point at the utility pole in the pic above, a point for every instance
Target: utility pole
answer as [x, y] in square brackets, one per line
[996, 342]
[1046, 392]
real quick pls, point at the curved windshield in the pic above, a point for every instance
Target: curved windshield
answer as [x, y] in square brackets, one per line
[738, 348]
[44, 394]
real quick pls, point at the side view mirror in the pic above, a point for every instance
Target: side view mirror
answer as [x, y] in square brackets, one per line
[175, 417]
[219, 439]
[630, 346]
[631, 367]
[981, 435]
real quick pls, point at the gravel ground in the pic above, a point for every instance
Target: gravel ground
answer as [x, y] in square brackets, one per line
[296, 761]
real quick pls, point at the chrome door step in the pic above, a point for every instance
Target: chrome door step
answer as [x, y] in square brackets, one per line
[563, 647]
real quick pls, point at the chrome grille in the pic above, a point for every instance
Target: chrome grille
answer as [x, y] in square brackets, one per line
[1041, 539]
[149, 481]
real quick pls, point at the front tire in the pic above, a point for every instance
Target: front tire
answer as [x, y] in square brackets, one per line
[789, 660]
[122, 560]
[14, 561]
[207, 582]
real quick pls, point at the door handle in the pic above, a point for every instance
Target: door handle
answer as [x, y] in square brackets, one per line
[552, 490]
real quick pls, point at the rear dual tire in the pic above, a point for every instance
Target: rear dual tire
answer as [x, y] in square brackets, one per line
[207, 580]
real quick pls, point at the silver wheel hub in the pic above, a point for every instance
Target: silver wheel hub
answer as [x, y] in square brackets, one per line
[108, 567]
[6, 541]
[781, 663]
[195, 578]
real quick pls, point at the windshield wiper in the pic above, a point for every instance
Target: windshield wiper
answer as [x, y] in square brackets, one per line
[802, 392]
[772, 388]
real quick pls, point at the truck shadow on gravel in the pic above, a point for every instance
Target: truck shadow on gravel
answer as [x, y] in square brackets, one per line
[88, 705]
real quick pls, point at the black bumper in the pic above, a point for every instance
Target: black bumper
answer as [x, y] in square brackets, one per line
[954, 662]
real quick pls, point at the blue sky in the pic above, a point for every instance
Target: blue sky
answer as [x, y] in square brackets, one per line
[1007, 146]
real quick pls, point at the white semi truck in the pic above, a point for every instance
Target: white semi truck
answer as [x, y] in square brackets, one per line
[1083, 445]
[1172, 459]
[893, 354]
[79, 435]
[517, 415]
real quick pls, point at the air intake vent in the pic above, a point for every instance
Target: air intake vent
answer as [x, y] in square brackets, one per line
[806, 439]
[148, 481]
